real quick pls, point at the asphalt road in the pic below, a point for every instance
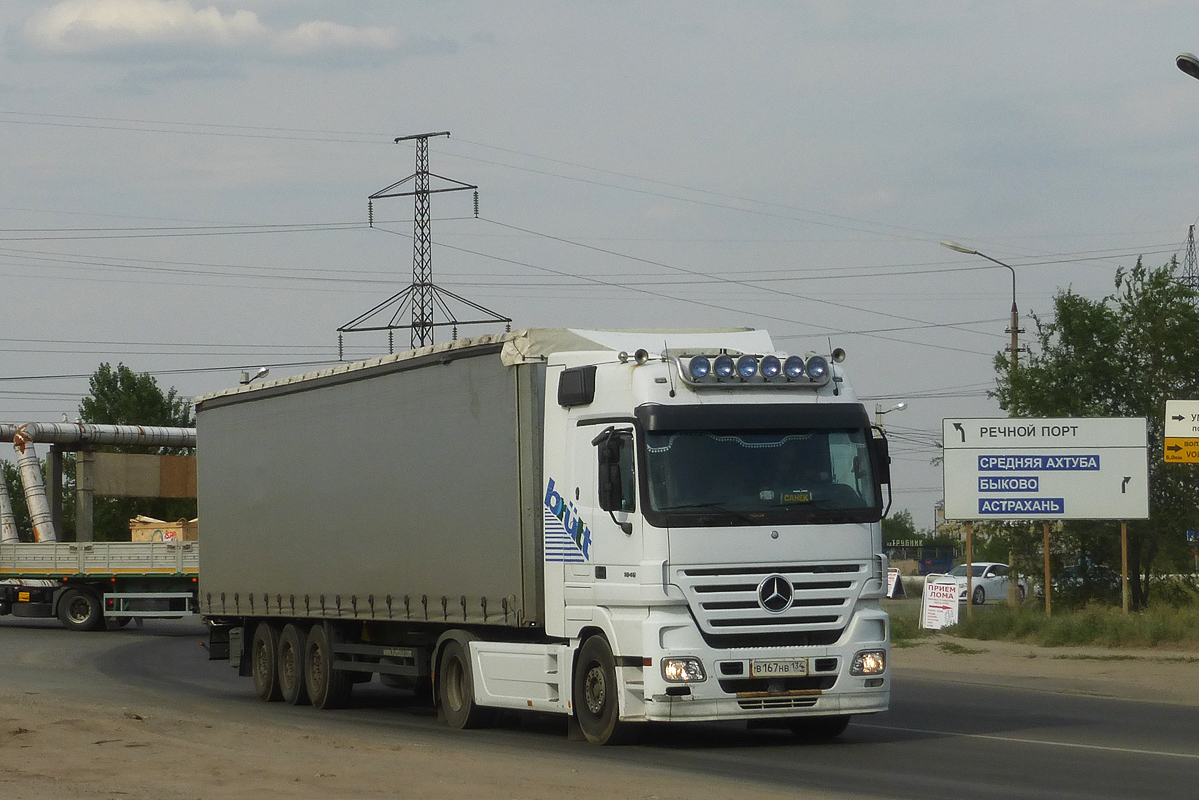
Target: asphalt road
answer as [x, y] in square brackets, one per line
[939, 739]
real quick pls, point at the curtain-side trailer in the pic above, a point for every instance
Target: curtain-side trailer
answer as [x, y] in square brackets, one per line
[616, 526]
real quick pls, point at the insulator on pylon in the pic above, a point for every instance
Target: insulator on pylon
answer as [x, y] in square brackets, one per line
[455, 336]
[476, 203]
[391, 347]
[341, 356]
[370, 212]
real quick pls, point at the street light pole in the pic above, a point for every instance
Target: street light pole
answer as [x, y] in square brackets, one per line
[879, 411]
[1014, 329]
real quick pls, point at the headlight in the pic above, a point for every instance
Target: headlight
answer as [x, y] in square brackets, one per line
[793, 367]
[817, 367]
[771, 367]
[869, 662]
[723, 367]
[747, 366]
[699, 367]
[683, 670]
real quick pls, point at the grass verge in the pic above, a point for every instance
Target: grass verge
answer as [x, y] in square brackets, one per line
[1092, 625]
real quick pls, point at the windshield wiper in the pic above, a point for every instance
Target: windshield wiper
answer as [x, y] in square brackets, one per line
[708, 506]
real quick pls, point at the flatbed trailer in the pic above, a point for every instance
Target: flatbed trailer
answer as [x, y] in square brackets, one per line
[94, 585]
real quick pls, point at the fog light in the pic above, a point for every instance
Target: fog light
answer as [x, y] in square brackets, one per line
[723, 367]
[771, 367]
[869, 662]
[747, 366]
[699, 367]
[683, 670]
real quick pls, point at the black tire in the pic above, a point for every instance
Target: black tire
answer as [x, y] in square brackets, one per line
[264, 662]
[596, 694]
[818, 729]
[980, 596]
[291, 665]
[456, 690]
[327, 687]
[81, 610]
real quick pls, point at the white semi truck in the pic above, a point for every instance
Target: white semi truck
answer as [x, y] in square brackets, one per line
[620, 527]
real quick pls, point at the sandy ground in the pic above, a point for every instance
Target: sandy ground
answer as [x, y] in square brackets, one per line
[72, 745]
[1149, 675]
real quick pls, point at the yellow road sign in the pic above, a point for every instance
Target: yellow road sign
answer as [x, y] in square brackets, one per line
[1182, 450]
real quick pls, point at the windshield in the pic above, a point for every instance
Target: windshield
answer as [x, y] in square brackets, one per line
[976, 570]
[760, 477]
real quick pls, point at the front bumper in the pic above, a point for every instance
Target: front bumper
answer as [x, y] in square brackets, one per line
[728, 692]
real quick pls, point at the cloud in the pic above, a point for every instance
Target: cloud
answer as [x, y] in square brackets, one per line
[318, 36]
[166, 30]
[78, 27]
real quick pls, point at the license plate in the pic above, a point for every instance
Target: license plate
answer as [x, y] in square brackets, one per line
[778, 667]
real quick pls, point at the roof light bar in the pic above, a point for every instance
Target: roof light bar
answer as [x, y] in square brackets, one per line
[728, 370]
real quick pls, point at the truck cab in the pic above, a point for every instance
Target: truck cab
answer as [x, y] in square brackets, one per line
[712, 525]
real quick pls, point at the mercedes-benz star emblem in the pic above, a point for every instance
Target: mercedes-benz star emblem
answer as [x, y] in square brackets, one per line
[775, 594]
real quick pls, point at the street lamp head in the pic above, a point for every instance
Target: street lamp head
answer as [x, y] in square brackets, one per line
[1188, 63]
[959, 248]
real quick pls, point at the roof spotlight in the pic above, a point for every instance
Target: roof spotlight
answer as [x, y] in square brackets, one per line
[793, 367]
[699, 367]
[771, 367]
[724, 367]
[747, 366]
[817, 367]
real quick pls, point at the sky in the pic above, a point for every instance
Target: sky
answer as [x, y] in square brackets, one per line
[184, 184]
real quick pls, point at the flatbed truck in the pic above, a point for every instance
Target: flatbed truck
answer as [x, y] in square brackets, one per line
[97, 585]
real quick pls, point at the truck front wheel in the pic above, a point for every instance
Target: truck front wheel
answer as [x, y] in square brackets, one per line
[596, 694]
[456, 688]
[291, 665]
[819, 729]
[327, 687]
[264, 662]
[80, 610]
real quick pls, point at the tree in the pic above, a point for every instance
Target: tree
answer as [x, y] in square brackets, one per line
[122, 397]
[900, 527]
[1122, 356]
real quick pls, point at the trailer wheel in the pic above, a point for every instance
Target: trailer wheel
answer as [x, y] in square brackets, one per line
[327, 687]
[819, 729]
[81, 610]
[264, 662]
[291, 665]
[456, 688]
[596, 694]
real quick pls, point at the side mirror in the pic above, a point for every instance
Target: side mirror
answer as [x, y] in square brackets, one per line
[882, 459]
[610, 486]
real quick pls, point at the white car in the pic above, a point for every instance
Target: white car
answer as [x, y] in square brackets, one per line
[989, 579]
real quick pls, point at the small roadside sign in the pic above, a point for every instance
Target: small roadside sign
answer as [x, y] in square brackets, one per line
[1193, 536]
[939, 603]
[1181, 445]
[894, 585]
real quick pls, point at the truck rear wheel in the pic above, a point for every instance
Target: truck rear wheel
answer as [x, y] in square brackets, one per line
[327, 687]
[291, 665]
[264, 662]
[81, 610]
[596, 694]
[456, 687]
